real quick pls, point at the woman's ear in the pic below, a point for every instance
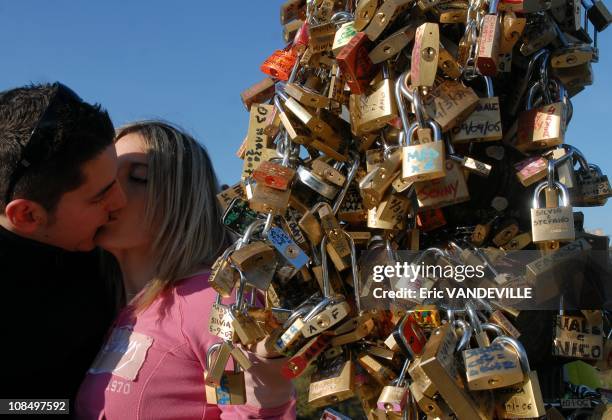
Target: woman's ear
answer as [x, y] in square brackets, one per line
[26, 216]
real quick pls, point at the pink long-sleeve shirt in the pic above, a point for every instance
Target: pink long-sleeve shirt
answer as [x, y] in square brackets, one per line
[152, 366]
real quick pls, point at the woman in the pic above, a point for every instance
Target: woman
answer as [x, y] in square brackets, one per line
[165, 238]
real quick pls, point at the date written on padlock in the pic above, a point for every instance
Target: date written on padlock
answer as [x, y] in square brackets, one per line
[287, 248]
[220, 322]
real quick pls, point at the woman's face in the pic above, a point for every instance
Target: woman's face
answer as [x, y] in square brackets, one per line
[127, 228]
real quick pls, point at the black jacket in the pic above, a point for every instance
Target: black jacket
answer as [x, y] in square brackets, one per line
[55, 310]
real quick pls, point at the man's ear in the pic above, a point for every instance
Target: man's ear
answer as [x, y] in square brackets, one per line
[25, 215]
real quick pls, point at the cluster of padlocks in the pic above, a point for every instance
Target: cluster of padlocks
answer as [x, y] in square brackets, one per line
[428, 125]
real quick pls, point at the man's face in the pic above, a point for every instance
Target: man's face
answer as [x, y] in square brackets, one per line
[81, 212]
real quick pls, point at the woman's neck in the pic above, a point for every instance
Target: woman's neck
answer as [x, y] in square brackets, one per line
[137, 268]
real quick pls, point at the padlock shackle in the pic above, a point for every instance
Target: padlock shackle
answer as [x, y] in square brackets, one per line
[315, 183]
[401, 107]
[518, 348]
[239, 304]
[541, 186]
[437, 132]
[318, 308]
[466, 334]
[209, 353]
[437, 251]
[352, 173]
[473, 317]
[402, 376]
[325, 268]
[495, 329]
[354, 270]
[341, 17]
[246, 238]
[576, 155]
[303, 310]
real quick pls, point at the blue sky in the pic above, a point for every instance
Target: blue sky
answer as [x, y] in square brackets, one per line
[188, 61]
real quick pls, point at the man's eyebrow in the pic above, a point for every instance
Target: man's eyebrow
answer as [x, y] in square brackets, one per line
[104, 190]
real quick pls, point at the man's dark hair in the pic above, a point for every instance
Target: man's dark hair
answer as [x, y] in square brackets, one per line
[82, 132]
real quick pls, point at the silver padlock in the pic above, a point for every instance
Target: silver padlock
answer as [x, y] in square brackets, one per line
[555, 223]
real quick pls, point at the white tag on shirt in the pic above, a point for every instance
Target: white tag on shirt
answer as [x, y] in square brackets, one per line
[123, 354]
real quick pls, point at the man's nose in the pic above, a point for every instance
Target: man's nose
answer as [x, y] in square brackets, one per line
[117, 199]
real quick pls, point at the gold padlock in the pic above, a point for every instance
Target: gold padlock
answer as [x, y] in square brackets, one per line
[230, 389]
[332, 382]
[525, 398]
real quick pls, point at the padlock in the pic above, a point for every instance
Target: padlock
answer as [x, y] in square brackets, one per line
[299, 362]
[231, 389]
[380, 372]
[450, 103]
[470, 164]
[332, 382]
[260, 92]
[531, 170]
[226, 196]
[408, 337]
[552, 223]
[291, 29]
[451, 12]
[424, 61]
[257, 142]
[246, 329]
[393, 397]
[423, 161]
[223, 276]
[293, 332]
[592, 189]
[574, 337]
[280, 64]
[337, 243]
[321, 37]
[393, 44]
[364, 12]
[491, 367]
[437, 354]
[451, 189]
[355, 64]
[512, 29]
[377, 108]
[484, 123]
[498, 318]
[274, 175]
[220, 321]
[373, 186]
[256, 259]
[306, 96]
[599, 15]
[291, 9]
[344, 34]
[384, 16]
[316, 183]
[315, 124]
[327, 172]
[487, 55]
[537, 36]
[389, 214]
[525, 398]
[544, 126]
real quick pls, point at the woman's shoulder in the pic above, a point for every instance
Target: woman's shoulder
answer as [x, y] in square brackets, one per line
[194, 283]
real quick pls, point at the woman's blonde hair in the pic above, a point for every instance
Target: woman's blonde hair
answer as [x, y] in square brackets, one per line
[181, 207]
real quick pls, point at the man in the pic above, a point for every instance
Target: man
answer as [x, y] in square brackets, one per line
[57, 187]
